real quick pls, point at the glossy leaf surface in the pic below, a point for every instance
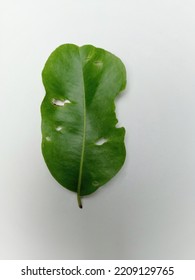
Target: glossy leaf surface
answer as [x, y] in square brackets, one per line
[81, 145]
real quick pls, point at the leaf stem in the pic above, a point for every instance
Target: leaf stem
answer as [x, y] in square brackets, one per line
[79, 201]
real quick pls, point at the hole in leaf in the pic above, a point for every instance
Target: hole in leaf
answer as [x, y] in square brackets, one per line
[98, 63]
[89, 57]
[95, 183]
[58, 102]
[58, 128]
[101, 141]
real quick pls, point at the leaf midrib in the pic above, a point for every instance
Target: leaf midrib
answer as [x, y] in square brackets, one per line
[83, 141]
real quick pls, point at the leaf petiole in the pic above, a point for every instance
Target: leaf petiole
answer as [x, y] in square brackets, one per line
[79, 201]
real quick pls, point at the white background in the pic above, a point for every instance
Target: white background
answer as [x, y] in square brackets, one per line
[148, 210]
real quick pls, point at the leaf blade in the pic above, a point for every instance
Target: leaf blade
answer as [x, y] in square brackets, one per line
[86, 81]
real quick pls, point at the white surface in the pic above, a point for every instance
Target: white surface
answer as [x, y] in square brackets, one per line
[148, 210]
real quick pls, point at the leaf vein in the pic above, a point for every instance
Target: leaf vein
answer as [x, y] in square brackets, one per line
[83, 142]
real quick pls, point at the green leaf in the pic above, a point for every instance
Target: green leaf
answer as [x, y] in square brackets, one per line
[81, 144]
